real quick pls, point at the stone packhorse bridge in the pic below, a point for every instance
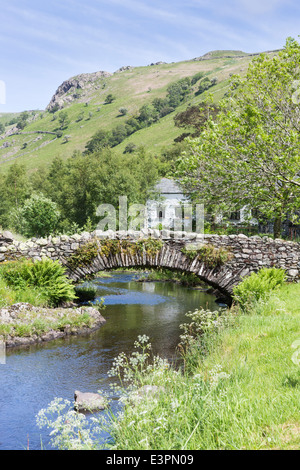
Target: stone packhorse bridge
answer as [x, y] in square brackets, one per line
[219, 260]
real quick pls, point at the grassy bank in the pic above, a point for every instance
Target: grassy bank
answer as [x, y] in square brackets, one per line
[33, 301]
[239, 389]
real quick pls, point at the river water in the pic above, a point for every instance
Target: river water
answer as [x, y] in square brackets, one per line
[33, 376]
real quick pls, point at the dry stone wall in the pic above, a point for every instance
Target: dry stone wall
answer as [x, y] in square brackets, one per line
[248, 254]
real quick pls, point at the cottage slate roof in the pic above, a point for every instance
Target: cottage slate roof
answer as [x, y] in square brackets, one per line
[168, 186]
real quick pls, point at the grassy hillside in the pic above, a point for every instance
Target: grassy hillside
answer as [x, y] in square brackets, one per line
[37, 144]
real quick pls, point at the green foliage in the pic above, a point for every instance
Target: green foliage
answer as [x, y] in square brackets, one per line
[241, 391]
[109, 98]
[63, 119]
[249, 155]
[130, 148]
[85, 293]
[14, 189]
[209, 254]
[257, 286]
[204, 85]
[195, 78]
[22, 120]
[202, 322]
[79, 185]
[177, 92]
[148, 114]
[84, 255]
[195, 117]
[123, 111]
[46, 275]
[149, 246]
[38, 217]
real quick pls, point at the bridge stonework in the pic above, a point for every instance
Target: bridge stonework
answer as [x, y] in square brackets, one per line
[248, 254]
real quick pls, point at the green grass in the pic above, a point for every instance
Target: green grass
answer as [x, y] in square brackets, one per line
[243, 394]
[132, 88]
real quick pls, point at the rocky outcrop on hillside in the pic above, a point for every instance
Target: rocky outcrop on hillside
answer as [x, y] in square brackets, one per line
[75, 88]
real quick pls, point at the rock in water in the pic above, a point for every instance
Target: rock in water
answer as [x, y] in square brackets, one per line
[89, 401]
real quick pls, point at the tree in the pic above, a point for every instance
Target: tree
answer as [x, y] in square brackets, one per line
[98, 141]
[2, 128]
[147, 115]
[39, 216]
[178, 91]
[250, 154]
[204, 85]
[109, 98]
[63, 119]
[14, 189]
[123, 111]
[195, 117]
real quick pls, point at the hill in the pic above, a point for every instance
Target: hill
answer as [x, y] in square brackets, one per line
[84, 99]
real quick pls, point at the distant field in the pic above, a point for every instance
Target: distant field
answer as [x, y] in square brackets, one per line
[132, 89]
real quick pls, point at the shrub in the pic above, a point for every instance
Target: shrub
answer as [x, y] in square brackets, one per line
[209, 254]
[202, 322]
[38, 217]
[46, 275]
[257, 286]
[85, 293]
[84, 255]
[109, 99]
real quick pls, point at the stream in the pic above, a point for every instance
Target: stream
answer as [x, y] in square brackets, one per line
[33, 376]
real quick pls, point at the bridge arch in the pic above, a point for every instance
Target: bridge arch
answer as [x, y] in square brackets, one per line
[222, 264]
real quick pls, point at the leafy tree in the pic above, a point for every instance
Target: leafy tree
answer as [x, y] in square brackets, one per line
[118, 134]
[177, 92]
[147, 115]
[63, 119]
[99, 140]
[197, 77]
[160, 103]
[130, 148]
[250, 154]
[2, 128]
[21, 125]
[195, 117]
[123, 111]
[204, 85]
[109, 98]
[38, 216]
[132, 125]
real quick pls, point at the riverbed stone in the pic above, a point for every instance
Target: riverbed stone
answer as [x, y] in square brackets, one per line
[87, 401]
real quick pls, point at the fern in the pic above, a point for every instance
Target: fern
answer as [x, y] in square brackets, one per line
[46, 275]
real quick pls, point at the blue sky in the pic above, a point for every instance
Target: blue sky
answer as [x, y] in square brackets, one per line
[44, 43]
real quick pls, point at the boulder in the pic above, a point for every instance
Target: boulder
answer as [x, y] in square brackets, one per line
[87, 401]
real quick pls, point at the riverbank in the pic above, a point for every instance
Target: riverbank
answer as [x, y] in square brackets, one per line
[239, 389]
[23, 324]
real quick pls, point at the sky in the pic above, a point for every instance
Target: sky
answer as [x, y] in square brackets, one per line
[44, 43]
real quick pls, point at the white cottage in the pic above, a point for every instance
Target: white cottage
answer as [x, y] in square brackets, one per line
[165, 210]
